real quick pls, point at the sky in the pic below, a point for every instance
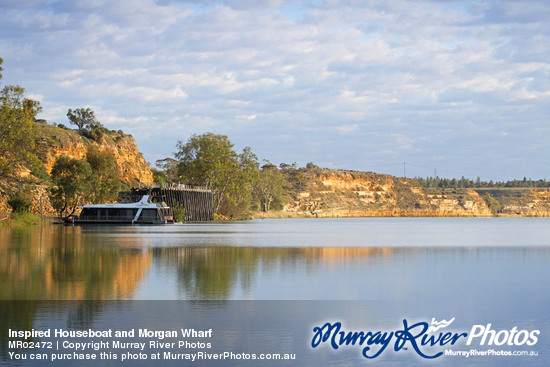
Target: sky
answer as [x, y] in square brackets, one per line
[457, 88]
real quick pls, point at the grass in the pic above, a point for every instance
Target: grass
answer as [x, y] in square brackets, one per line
[21, 219]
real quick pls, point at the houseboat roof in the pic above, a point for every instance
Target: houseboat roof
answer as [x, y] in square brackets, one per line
[143, 203]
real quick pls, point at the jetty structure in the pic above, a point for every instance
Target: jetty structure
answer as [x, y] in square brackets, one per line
[196, 201]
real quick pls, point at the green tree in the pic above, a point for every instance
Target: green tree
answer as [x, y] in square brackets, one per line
[17, 129]
[209, 160]
[492, 203]
[83, 118]
[295, 177]
[71, 185]
[240, 191]
[159, 176]
[169, 169]
[104, 176]
[311, 166]
[270, 186]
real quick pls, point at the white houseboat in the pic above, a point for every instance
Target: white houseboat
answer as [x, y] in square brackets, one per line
[142, 212]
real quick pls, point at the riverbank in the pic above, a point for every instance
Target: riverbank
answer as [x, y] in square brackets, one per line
[24, 219]
[378, 214]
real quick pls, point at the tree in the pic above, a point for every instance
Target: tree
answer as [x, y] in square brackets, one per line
[169, 168]
[159, 176]
[83, 118]
[239, 193]
[295, 177]
[104, 176]
[270, 186]
[492, 203]
[71, 185]
[311, 166]
[209, 160]
[17, 129]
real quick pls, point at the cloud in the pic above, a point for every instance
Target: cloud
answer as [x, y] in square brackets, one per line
[246, 117]
[347, 129]
[360, 75]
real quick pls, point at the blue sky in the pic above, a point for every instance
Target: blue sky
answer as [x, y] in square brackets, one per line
[458, 86]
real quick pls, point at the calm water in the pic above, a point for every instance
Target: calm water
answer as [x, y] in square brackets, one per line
[305, 270]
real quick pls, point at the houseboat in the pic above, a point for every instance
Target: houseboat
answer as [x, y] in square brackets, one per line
[142, 212]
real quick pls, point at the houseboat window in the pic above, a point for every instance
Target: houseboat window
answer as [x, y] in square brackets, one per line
[102, 213]
[88, 213]
[148, 215]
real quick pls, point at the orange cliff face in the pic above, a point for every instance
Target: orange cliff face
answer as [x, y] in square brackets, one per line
[54, 142]
[331, 193]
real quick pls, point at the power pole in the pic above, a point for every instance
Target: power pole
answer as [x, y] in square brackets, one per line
[404, 170]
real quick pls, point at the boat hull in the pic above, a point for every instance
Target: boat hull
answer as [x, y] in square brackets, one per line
[85, 221]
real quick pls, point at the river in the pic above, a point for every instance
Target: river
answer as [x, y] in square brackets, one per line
[286, 277]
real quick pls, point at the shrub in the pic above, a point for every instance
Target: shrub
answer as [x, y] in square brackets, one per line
[179, 213]
[492, 203]
[25, 218]
[20, 203]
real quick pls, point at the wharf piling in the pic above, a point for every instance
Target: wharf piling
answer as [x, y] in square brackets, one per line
[196, 201]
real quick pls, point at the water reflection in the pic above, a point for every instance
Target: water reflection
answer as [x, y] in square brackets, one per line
[213, 272]
[481, 283]
[67, 263]
[60, 263]
[52, 263]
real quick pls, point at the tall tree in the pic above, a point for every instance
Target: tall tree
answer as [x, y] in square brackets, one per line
[209, 159]
[239, 198]
[270, 186]
[104, 176]
[17, 128]
[71, 184]
[169, 167]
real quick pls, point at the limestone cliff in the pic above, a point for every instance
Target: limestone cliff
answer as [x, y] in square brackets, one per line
[524, 202]
[331, 193]
[53, 142]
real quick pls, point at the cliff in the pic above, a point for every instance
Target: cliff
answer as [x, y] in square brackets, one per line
[332, 193]
[523, 202]
[53, 142]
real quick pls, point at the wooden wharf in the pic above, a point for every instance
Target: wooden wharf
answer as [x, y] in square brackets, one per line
[196, 201]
